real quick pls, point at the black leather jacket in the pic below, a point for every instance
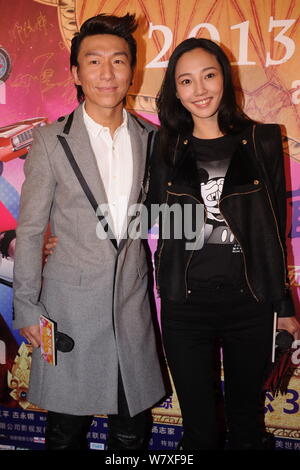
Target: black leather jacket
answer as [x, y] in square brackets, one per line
[253, 203]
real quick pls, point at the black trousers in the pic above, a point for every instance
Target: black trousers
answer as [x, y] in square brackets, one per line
[69, 432]
[190, 334]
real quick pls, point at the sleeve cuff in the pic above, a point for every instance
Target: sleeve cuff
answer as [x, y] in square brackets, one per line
[284, 307]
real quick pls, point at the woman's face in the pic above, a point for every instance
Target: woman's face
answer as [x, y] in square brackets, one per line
[199, 84]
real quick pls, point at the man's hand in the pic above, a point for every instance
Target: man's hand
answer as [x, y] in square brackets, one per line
[49, 246]
[290, 324]
[32, 334]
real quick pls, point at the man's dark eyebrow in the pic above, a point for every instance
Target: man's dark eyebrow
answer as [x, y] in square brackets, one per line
[97, 53]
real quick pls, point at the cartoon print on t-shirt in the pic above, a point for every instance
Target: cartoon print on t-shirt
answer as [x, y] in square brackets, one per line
[212, 180]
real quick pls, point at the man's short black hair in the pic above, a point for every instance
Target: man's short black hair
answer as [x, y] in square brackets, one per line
[122, 26]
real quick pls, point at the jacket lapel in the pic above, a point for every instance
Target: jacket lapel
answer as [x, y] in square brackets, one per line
[139, 141]
[78, 141]
[138, 138]
[242, 170]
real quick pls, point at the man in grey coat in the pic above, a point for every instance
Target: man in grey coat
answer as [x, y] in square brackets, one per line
[95, 283]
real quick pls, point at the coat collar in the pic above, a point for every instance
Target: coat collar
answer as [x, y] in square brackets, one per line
[243, 169]
[75, 133]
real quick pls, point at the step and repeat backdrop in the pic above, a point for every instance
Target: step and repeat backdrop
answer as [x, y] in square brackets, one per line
[263, 43]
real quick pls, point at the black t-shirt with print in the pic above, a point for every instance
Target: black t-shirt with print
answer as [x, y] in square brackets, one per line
[220, 259]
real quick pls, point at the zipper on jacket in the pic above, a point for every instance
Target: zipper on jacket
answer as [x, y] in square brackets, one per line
[190, 258]
[159, 253]
[162, 244]
[175, 150]
[161, 248]
[273, 212]
[244, 257]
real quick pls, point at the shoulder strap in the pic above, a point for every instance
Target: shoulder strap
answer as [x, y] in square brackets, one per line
[87, 190]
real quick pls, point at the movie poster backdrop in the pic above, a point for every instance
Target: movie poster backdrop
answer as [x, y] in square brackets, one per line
[263, 43]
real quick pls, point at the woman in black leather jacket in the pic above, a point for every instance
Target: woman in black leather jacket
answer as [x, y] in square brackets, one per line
[220, 261]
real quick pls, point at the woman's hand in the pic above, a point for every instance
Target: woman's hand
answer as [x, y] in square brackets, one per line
[290, 324]
[32, 334]
[50, 245]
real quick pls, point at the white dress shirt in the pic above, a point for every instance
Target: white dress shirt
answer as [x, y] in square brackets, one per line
[114, 160]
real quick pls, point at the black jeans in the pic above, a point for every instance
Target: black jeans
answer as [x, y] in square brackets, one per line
[190, 332]
[69, 432]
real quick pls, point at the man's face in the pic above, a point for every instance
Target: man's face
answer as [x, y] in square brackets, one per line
[104, 71]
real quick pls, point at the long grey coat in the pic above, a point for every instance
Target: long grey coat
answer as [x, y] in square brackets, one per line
[96, 293]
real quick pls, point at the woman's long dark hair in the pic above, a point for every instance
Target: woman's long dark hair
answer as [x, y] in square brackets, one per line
[175, 119]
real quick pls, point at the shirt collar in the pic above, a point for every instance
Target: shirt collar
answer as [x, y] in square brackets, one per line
[95, 129]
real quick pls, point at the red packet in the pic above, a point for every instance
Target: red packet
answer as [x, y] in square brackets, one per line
[47, 331]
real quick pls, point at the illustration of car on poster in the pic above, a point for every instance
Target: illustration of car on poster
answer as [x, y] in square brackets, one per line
[15, 142]
[16, 139]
